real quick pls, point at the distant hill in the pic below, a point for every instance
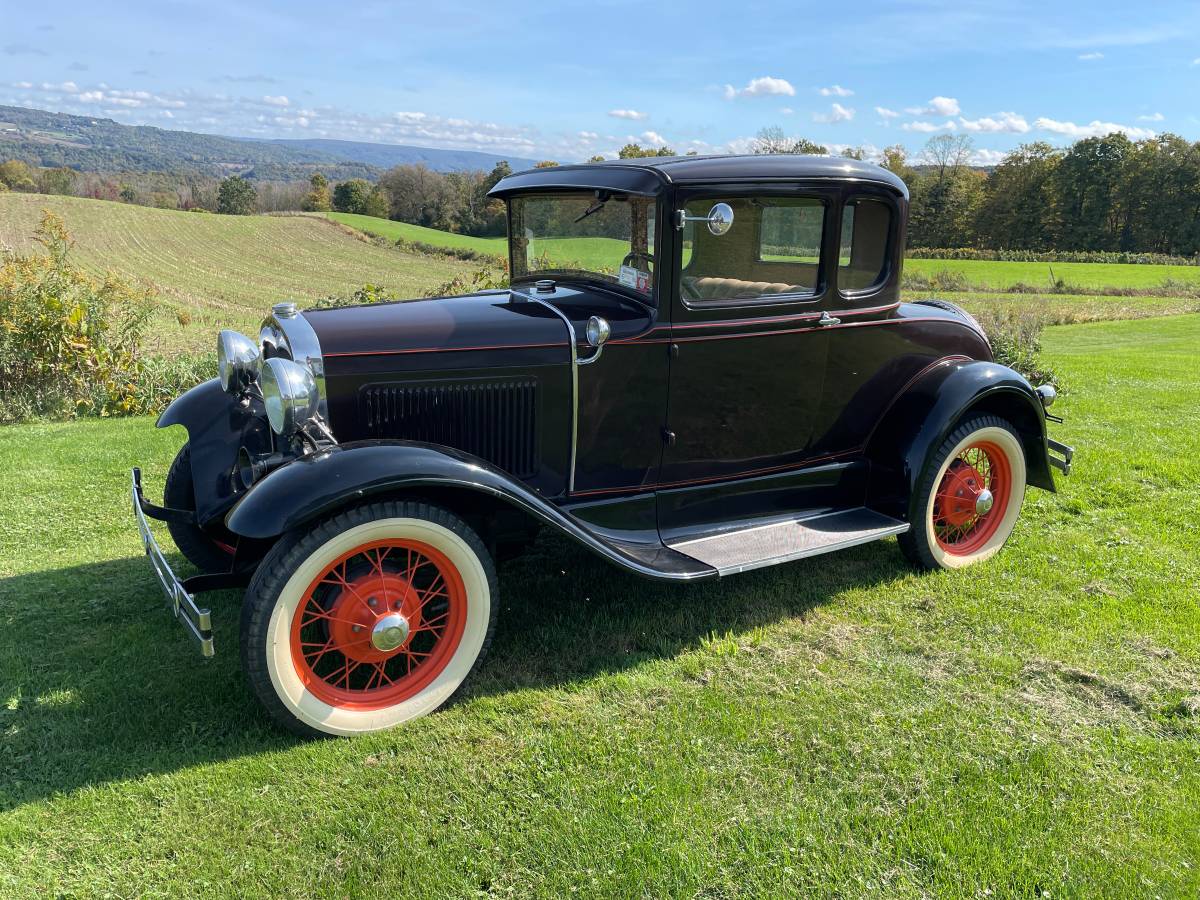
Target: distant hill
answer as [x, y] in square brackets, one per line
[385, 156]
[94, 144]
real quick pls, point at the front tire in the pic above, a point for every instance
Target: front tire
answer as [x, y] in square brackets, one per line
[969, 497]
[375, 616]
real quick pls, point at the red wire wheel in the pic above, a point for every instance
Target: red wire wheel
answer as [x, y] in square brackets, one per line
[378, 624]
[972, 498]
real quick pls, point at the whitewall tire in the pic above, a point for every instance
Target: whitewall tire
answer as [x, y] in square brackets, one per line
[372, 618]
[969, 498]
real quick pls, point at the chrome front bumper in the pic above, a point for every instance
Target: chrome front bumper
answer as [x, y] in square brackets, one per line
[197, 621]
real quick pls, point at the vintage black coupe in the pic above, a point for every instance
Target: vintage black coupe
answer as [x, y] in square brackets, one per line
[702, 366]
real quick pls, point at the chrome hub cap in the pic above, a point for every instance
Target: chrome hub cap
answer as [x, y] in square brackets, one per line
[983, 502]
[389, 632]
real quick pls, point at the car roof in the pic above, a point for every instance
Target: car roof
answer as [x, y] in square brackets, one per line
[650, 175]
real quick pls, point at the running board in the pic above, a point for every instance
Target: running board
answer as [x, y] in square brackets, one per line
[780, 542]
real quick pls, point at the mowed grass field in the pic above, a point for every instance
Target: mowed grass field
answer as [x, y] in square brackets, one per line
[221, 271]
[838, 727]
[979, 273]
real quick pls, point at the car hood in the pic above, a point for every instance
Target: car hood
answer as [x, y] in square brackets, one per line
[494, 320]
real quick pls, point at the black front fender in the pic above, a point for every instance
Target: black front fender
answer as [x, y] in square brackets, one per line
[927, 411]
[218, 425]
[318, 484]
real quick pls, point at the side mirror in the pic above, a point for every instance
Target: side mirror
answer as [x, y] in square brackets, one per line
[719, 219]
[598, 332]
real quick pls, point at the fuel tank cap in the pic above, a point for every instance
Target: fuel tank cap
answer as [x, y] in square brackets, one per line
[544, 286]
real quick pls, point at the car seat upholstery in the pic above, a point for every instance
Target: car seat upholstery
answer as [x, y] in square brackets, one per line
[713, 288]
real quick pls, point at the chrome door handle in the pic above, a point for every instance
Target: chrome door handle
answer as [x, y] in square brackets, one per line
[827, 319]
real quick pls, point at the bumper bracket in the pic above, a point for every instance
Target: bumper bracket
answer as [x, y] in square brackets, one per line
[197, 620]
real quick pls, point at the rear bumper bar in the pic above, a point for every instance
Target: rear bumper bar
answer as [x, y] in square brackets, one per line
[198, 621]
[1062, 461]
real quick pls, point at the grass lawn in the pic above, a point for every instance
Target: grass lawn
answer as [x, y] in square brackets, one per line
[999, 275]
[839, 726]
[215, 272]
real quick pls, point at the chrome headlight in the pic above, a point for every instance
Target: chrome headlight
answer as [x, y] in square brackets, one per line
[289, 393]
[238, 360]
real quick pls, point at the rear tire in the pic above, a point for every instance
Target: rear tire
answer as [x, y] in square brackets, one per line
[203, 550]
[374, 616]
[951, 528]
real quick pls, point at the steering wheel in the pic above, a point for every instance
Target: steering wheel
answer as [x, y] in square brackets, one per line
[637, 254]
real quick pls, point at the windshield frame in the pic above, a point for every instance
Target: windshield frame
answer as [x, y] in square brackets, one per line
[584, 275]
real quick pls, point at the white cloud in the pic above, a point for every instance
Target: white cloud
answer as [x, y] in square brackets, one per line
[835, 91]
[409, 116]
[654, 139]
[787, 110]
[1153, 117]
[985, 157]
[937, 106]
[22, 85]
[1094, 128]
[837, 113]
[884, 113]
[1196, 61]
[276, 101]
[929, 127]
[633, 114]
[1000, 122]
[762, 87]
[1095, 54]
[588, 135]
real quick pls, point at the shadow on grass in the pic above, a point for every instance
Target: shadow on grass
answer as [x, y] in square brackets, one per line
[100, 685]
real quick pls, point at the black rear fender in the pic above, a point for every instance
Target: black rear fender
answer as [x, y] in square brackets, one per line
[929, 409]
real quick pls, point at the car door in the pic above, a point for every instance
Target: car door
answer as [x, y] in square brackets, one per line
[747, 352]
[872, 351]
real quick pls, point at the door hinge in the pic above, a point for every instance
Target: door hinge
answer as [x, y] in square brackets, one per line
[668, 437]
[673, 350]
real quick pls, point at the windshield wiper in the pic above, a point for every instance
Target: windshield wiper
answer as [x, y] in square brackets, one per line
[594, 208]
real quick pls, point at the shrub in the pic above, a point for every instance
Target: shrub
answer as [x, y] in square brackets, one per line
[491, 275]
[368, 293]
[941, 280]
[1015, 333]
[68, 342]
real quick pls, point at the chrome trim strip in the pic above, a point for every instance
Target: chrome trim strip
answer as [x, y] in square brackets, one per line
[301, 341]
[198, 621]
[574, 382]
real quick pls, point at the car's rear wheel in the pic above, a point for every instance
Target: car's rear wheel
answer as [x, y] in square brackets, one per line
[969, 497]
[374, 617]
[209, 552]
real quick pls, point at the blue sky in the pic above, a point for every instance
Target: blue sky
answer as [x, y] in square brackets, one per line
[566, 80]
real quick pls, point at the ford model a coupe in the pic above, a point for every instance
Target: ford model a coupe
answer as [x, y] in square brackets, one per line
[702, 366]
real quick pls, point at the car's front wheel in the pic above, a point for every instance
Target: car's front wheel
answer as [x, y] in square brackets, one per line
[375, 616]
[968, 499]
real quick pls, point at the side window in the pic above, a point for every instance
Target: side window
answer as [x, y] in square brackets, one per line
[862, 257]
[772, 249]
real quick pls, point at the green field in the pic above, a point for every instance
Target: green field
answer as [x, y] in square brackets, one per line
[222, 271]
[590, 253]
[402, 231]
[980, 274]
[835, 727]
[999, 275]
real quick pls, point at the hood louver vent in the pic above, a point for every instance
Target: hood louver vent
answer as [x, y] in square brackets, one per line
[494, 419]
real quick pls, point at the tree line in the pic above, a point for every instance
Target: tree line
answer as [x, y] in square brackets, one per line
[1100, 194]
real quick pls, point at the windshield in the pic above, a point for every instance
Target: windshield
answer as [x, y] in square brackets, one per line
[585, 233]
